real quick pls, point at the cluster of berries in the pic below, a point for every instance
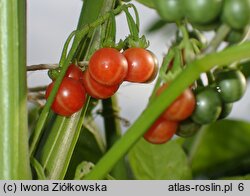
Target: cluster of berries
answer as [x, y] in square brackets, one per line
[106, 71]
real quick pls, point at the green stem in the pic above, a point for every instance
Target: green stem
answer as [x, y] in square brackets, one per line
[210, 77]
[184, 32]
[57, 144]
[113, 132]
[14, 157]
[56, 151]
[111, 123]
[153, 111]
[164, 68]
[218, 38]
[89, 13]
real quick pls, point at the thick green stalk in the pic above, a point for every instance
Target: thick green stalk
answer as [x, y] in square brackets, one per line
[89, 12]
[56, 150]
[113, 133]
[14, 157]
[154, 110]
[110, 111]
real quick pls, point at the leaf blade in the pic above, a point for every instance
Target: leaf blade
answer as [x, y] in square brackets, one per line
[224, 146]
[162, 162]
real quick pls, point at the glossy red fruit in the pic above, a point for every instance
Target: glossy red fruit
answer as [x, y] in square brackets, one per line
[97, 90]
[74, 72]
[141, 65]
[181, 108]
[70, 97]
[108, 66]
[161, 131]
[156, 68]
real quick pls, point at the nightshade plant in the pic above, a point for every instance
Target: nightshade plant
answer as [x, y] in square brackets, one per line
[64, 142]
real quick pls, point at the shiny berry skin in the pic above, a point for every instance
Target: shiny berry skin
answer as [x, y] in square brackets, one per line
[236, 13]
[156, 68]
[208, 106]
[70, 97]
[231, 84]
[181, 108]
[108, 66]
[97, 90]
[226, 110]
[74, 72]
[161, 131]
[141, 65]
[202, 11]
[169, 10]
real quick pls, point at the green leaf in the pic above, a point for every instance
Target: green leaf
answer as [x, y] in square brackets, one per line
[38, 168]
[148, 3]
[222, 148]
[90, 147]
[246, 177]
[159, 162]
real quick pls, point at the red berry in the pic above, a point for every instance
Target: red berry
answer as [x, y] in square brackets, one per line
[141, 65]
[70, 97]
[156, 68]
[74, 72]
[182, 107]
[161, 131]
[108, 66]
[97, 90]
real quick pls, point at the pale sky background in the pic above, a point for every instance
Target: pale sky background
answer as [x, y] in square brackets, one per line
[51, 21]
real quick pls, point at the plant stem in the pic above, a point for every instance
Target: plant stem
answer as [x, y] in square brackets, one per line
[57, 145]
[41, 67]
[52, 66]
[37, 89]
[113, 133]
[218, 38]
[112, 126]
[164, 67]
[14, 157]
[154, 110]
